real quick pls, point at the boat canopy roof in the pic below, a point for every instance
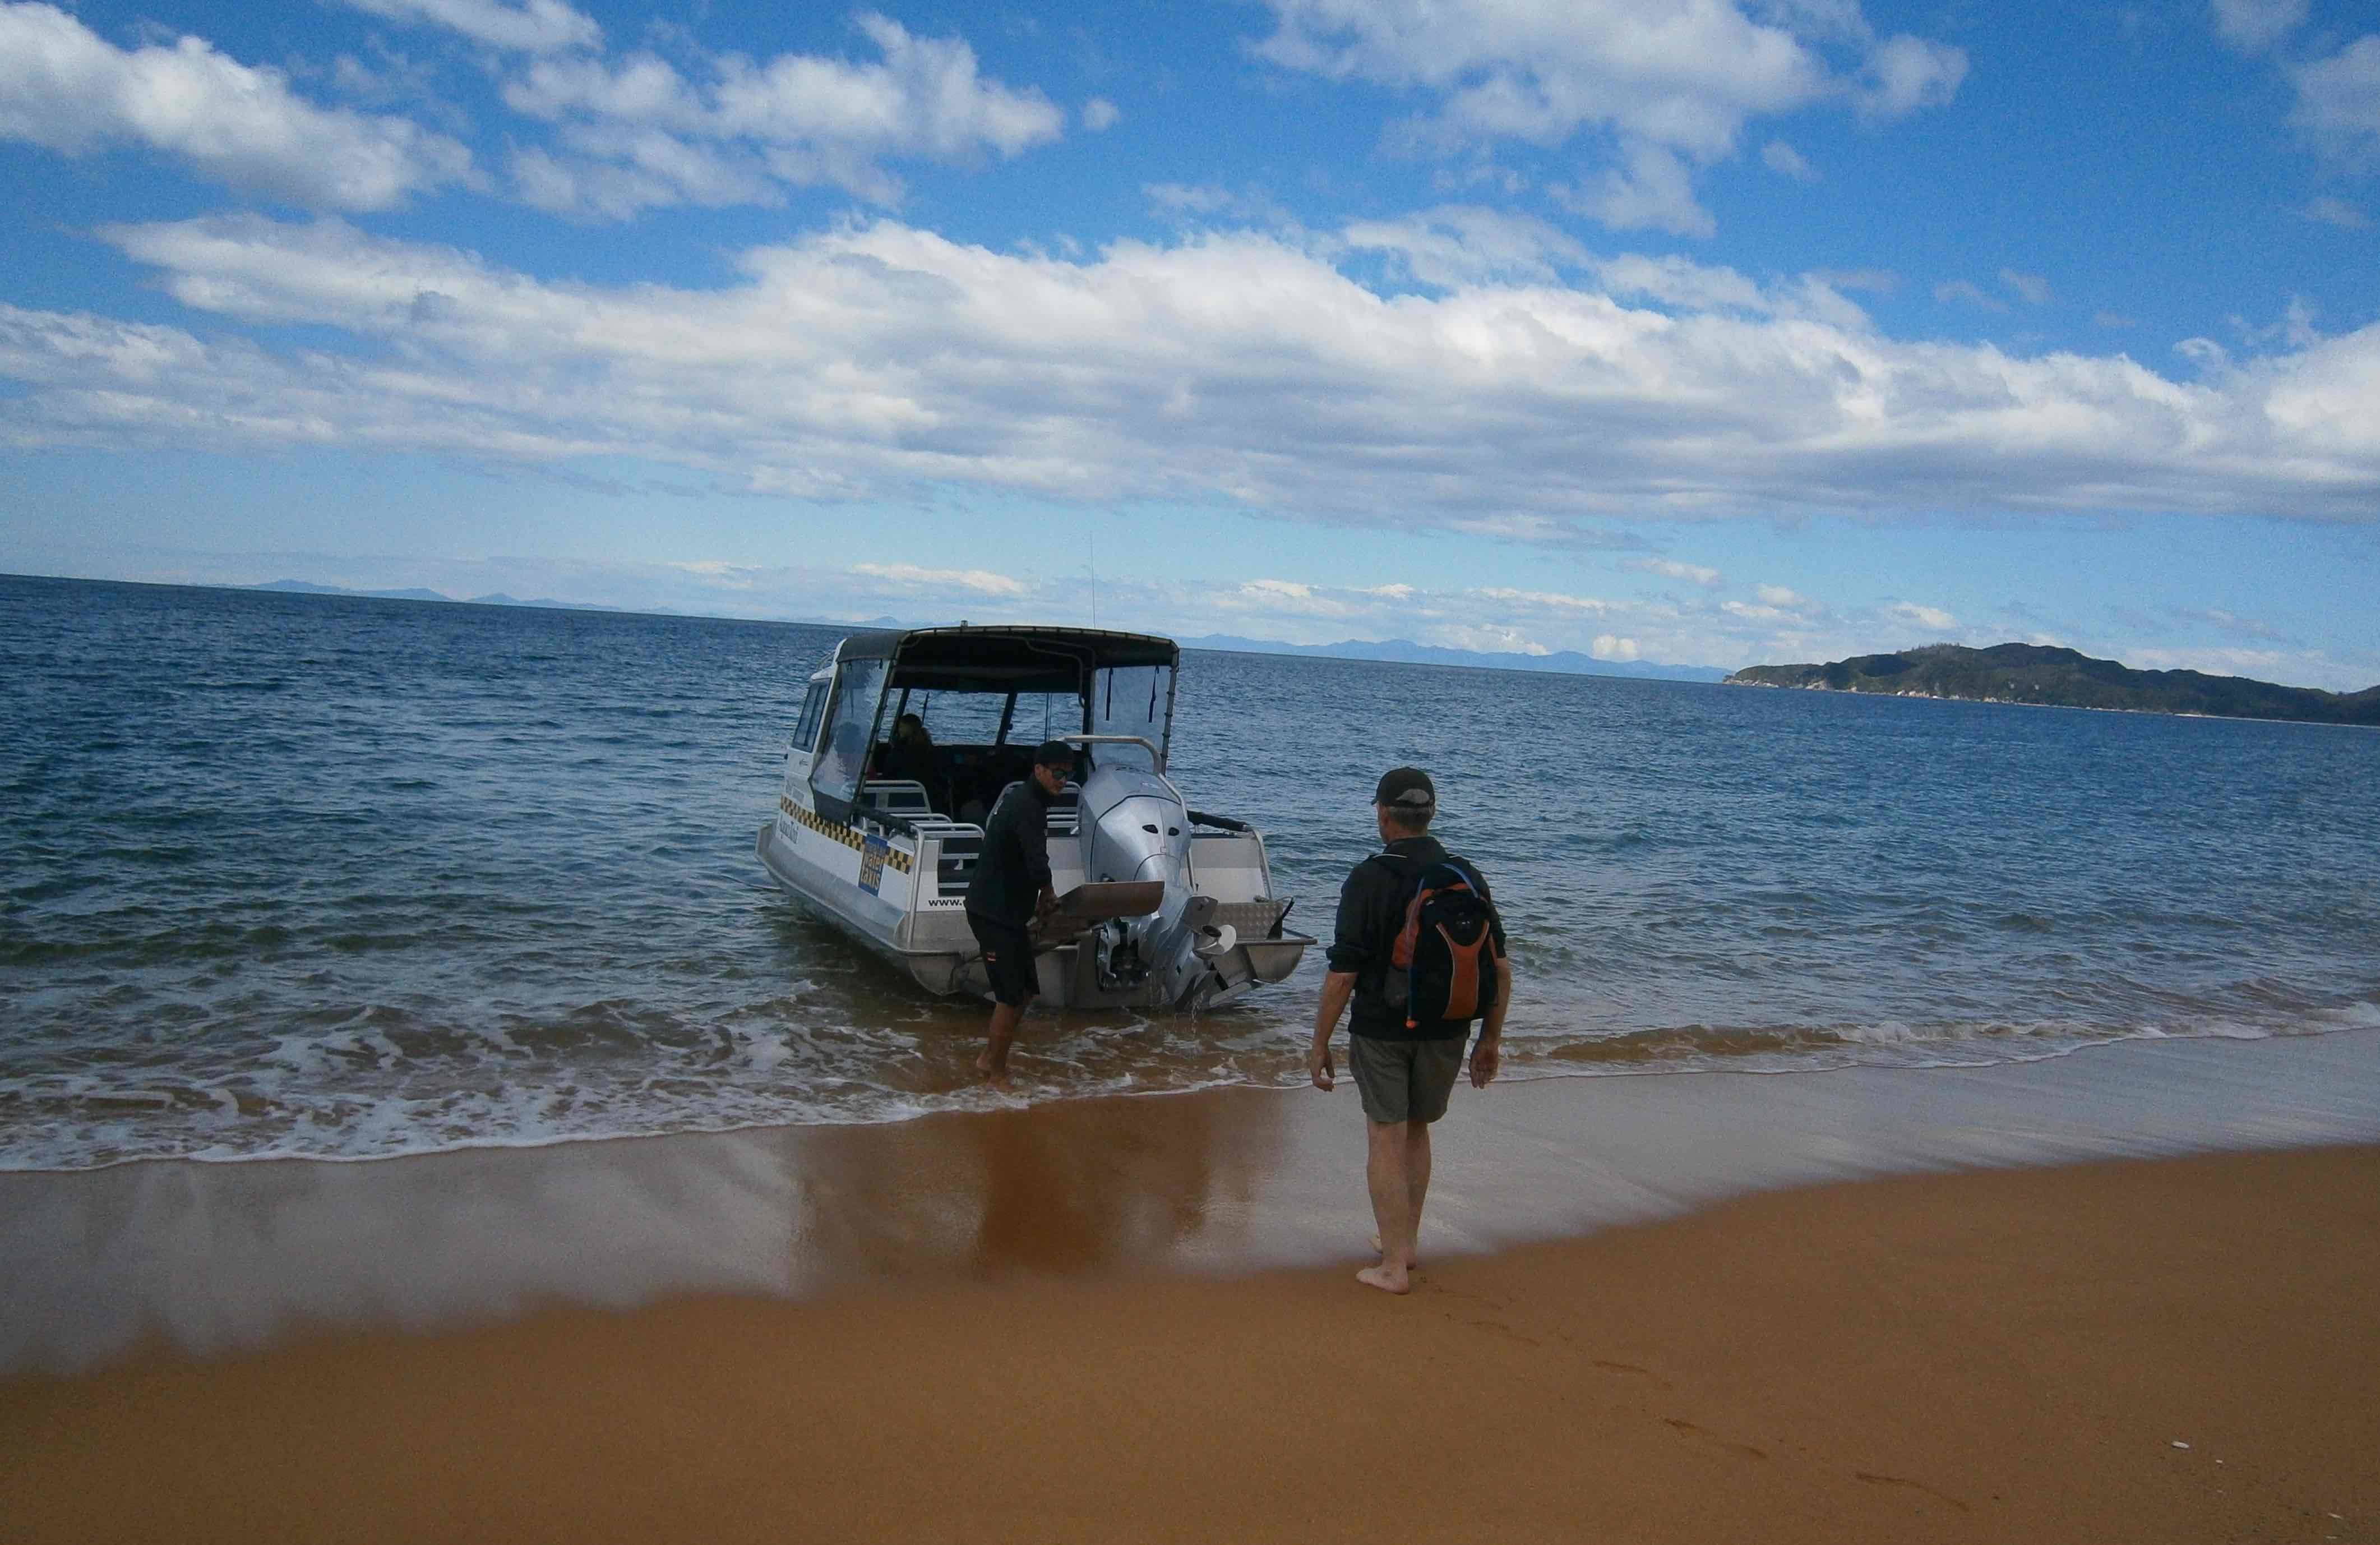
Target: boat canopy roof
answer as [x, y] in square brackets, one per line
[1005, 659]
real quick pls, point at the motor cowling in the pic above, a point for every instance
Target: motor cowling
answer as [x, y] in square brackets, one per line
[1134, 827]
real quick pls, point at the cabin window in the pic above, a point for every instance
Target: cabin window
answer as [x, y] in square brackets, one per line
[959, 718]
[850, 731]
[805, 728]
[1131, 699]
[1041, 716]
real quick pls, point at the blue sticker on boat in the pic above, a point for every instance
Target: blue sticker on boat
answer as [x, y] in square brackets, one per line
[871, 863]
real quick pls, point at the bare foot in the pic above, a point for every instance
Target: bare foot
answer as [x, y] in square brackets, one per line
[1413, 1262]
[994, 1073]
[1387, 1278]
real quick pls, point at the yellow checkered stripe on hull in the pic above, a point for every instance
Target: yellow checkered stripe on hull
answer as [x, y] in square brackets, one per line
[849, 836]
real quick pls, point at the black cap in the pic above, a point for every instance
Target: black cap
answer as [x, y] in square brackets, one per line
[1053, 753]
[1406, 788]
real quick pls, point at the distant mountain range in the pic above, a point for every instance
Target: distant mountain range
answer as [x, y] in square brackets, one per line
[2061, 677]
[1400, 651]
[302, 586]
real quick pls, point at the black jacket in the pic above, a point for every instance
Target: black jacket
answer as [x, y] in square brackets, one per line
[1369, 916]
[1014, 867]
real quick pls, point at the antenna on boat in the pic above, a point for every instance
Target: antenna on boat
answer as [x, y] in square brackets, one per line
[1095, 574]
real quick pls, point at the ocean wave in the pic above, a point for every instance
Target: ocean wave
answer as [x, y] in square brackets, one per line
[373, 1084]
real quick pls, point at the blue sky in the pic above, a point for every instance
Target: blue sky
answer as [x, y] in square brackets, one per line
[1708, 331]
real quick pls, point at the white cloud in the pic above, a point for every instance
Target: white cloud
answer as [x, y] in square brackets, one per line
[2260, 664]
[2231, 622]
[1879, 281]
[1924, 617]
[535, 27]
[2339, 97]
[1485, 639]
[2336, 212]
[648, 171]
[1493, 619]
[1906, 73]
[637, 133]
[2032, 288]
[1778, 595]
[1289, 599]
[1458, 245]
[978, 581]
[65, 88]
[1546, 600]
[1184, 198]
[2294, 328]
[1671, 568]
[1965, 292]
[1100, 115]
[1652, 188]
[1670, 85]
[876, 359]
[1685, 284]
[1784, 160]
[2255, 25]
[718, 571]
[1540, 70]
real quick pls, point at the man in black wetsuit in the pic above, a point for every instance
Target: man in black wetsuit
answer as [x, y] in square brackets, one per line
[1010, 890]
[1404, 1071]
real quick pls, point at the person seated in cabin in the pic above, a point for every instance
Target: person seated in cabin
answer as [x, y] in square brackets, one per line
[910, 754]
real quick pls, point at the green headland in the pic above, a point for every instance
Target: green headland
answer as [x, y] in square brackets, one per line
[2062, 677]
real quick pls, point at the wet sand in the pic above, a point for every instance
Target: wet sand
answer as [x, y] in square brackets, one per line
[1080, 1323]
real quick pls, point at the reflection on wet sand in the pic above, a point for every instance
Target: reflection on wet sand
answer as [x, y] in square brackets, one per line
[221, 1257]
[212, 1258]
[1063, 1189]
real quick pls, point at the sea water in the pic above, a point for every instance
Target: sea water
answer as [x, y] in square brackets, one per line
[342, 877]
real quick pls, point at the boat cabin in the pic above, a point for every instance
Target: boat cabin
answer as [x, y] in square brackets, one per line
[937, 721]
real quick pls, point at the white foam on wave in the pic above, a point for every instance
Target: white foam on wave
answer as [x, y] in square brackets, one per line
[1881, 1043]
[350, 1094]
[1887, 1032]
[762, 1052]
[297, 1053]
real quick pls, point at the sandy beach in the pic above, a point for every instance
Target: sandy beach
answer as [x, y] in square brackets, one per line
[2168, 1349]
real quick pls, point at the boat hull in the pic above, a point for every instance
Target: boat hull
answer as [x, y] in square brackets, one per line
[929, 940]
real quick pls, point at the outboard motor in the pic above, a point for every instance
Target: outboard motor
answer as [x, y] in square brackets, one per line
[1134, 827]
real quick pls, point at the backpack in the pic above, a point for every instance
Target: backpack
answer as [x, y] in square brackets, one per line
[1443, 968]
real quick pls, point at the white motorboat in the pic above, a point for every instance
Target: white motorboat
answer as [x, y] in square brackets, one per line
[906, 740]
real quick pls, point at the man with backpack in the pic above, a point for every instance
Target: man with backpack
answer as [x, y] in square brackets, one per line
[1419, 950]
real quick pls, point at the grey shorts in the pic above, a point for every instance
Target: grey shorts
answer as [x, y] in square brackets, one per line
[1404, 1080]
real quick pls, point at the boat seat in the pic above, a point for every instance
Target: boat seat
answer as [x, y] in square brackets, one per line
[902, 797]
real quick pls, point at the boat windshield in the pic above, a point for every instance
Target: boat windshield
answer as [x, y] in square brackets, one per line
[1132, 699]
[850, 731]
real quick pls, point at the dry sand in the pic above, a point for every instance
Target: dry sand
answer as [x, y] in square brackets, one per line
[2002, 1356]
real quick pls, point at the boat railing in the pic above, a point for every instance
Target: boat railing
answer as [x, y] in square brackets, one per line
[1155, 756]
[903, 797]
